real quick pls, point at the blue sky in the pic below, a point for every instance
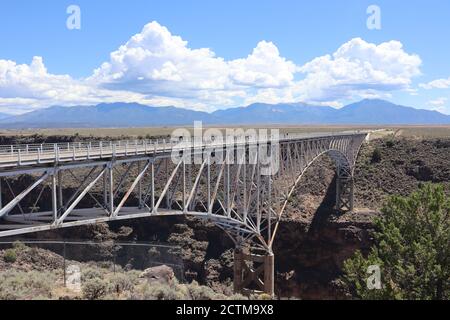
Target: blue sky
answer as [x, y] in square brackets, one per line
[235, 52]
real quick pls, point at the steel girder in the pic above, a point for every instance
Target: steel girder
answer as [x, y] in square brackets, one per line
[236, 195]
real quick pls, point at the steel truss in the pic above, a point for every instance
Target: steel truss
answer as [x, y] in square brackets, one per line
[236, 195]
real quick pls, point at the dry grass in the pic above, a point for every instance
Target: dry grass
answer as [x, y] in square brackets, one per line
[400, 131]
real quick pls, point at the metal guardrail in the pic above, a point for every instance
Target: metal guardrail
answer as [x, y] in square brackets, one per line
[120, 253]
[29, 154]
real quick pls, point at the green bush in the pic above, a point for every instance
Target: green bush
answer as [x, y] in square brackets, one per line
[376, 155]
[94, 289]
[10, 256]
[411, 249]
[390, 143]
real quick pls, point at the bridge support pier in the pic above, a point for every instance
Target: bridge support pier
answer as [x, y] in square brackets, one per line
[253, 273]
[344, 193]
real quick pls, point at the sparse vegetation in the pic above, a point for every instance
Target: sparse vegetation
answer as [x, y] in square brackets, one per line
[401, 170]
[19, 285]
[79, 134]
[89, 273]
[177, 291]
[19, 246]
[10, 255]
[99, 281]
[197, 292]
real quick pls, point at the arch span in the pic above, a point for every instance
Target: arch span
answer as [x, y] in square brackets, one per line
[343, 166]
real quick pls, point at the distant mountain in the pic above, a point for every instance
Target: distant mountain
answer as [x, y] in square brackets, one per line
[136, 115]
[369, 111]
[104, 115]
[260, 113]
[376, 111]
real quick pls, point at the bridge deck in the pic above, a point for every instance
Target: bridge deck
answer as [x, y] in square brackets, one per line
[43, 221]
[35, 154]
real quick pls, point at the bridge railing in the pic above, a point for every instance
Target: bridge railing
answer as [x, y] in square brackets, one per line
[51, 152]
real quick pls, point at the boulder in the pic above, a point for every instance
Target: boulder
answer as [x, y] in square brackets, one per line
[159, 274]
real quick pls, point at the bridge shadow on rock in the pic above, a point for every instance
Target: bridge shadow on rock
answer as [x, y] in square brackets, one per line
[307, 253]
[325, 209]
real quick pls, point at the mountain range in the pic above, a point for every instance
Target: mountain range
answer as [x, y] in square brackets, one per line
[367, 112]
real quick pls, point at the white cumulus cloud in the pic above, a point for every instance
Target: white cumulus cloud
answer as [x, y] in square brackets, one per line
[358, 69]
[263, 68]
[154, 62]
[25, 87]
[155, 67]
[436, 84]
[29, 81]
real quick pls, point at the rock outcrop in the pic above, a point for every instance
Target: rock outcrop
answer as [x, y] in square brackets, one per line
[159, 274]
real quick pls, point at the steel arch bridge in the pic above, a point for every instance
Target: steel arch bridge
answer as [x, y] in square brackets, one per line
[51, 186]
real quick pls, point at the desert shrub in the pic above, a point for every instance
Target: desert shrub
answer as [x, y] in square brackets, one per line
[108, 265]
[162, 292]
[264, 296]
[94, 289]
[176, 291]
[198, 292]
[10, 255]
[123, 282]
[175, 251]
[154, 253]
[411, 250]
[390, 143]
[90, 273]
[19, 246]
[20, 285]
[376, 155]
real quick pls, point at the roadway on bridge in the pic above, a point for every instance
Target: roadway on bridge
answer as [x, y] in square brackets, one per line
[35, 154]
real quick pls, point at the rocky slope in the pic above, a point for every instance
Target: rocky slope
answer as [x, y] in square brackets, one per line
[32, 273]
[319, 241]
